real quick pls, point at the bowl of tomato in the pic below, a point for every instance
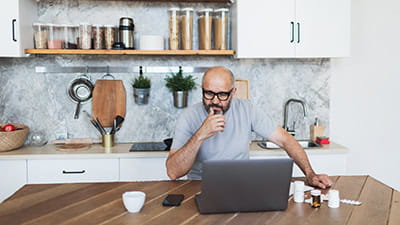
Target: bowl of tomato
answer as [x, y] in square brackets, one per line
[12, 136]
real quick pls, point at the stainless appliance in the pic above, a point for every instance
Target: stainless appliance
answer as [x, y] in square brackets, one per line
[126, 28]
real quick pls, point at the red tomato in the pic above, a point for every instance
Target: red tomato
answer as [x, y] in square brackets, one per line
[8, 128]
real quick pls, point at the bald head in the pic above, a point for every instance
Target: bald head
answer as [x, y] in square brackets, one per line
[218, 75]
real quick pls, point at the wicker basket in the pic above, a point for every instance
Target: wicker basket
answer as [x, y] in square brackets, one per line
[13, 140]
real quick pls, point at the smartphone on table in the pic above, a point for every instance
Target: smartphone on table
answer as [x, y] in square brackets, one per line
[173, 200]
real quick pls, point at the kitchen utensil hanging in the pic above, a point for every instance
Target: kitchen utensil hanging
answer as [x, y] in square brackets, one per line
[80, 91]
[109, 100]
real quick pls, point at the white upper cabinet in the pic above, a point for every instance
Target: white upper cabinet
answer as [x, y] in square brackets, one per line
[291, 28]
[16, 18]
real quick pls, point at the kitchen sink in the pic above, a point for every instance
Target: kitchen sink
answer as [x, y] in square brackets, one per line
[303, 143]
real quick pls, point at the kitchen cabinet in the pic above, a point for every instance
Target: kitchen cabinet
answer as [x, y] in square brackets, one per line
[331, 164]
[143, 169]
[12, 177]
[16, 18]
[291, 28]
[72, 170]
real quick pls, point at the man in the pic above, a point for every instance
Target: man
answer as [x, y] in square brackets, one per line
[221, 127]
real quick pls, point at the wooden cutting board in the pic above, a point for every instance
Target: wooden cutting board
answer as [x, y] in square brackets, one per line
[72, 147]
[108, 101]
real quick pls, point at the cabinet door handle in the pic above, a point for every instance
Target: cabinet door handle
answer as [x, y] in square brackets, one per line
[74, 172]
[298, 32]
[13, 29]
[292, 25]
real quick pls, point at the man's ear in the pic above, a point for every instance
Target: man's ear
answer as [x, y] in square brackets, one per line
[234, 91]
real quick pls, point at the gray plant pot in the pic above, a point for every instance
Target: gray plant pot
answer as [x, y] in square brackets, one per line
[180, 99]
[141, 95]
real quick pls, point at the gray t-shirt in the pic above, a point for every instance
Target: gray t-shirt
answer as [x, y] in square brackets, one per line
[233, 143]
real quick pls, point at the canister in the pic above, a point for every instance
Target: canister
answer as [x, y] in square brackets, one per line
[205, 28]
[221, 26]
[40, 32]
[54, 39]
[109, 36]
[70, 35]
[85, 36]
[98, 36]
[187, 28]
[174, 29]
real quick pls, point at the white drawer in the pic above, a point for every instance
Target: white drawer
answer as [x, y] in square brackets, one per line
[72, 170]
[143, 169]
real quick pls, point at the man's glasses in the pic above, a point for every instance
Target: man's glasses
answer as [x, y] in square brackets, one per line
[222, 96]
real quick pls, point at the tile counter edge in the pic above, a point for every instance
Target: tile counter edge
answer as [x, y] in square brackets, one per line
[122, 151]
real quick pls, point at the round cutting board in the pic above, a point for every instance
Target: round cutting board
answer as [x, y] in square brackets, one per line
[108, 101]
[72, 147]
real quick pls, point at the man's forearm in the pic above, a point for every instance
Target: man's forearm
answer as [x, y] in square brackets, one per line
[181, 161]
[298, 154]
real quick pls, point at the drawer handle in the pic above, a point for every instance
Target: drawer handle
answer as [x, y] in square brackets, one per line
[13, 30]
[292, 25]
[73, 172]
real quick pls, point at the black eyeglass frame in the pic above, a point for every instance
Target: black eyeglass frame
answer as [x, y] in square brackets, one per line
[227, 93]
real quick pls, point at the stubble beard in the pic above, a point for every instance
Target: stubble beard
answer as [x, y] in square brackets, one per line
[223, 109]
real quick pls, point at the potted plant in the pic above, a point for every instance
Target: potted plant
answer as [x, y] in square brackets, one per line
[141, 88]
[180, 86]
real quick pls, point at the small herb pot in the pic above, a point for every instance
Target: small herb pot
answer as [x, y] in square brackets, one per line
[180, 99]
[141, 95]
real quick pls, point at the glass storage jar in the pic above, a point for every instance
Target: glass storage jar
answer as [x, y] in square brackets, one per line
[98, 36]
[109, 35]
[187, 28]
[85, 36]
[221, 26]
[205, 28]
[55, 40]
[40, 31]
[70, 33]
[174, 29]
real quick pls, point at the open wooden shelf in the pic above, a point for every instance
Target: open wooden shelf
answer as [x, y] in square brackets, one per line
[126, 52]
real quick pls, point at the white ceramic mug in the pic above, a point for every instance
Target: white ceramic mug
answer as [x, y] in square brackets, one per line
[133, 200]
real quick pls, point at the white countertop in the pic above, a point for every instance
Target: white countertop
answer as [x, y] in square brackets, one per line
[122, 151]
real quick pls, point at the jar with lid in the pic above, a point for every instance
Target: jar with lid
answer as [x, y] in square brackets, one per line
[55, 39]
[126, 29]
[98, 36]
[109, 36]
[85, 36]
[205, 28]
[174, 29]
[187, 28]
[40, 31]
[221, 25]
[70, 33]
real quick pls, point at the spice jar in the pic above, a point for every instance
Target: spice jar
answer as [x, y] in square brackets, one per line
[187, 28]
[98, 36]
[55, 40]
[40, 35]
[205, 28]
[85, 36]
[221, 25]
[174, 29]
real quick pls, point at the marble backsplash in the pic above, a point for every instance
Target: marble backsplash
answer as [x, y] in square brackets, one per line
[40, 101]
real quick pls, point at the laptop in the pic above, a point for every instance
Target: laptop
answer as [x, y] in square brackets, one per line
[245, 185]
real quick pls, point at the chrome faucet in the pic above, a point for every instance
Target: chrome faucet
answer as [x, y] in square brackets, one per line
[286, 112]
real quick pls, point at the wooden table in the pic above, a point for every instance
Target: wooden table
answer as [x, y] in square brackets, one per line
[101, 203]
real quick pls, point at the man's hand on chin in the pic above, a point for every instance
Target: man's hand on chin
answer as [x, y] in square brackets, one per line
[319, 180]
